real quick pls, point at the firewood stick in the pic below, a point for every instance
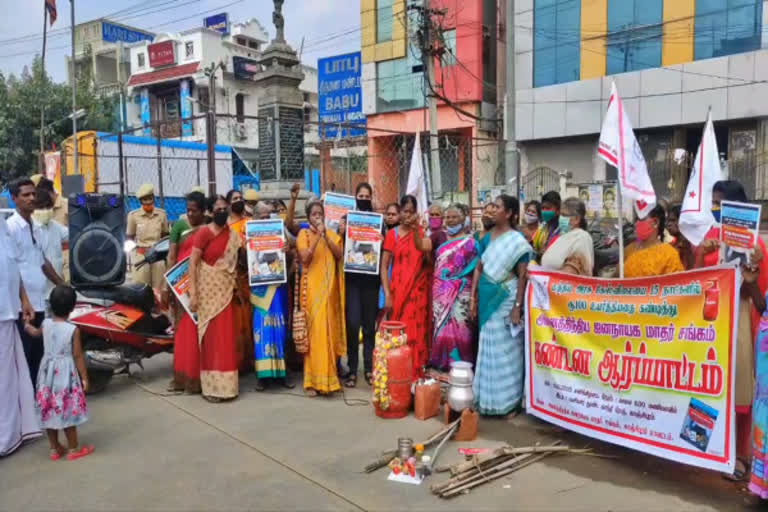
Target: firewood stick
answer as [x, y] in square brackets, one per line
[475, 472]
[504, 450]
[479, 481]
[437, 436]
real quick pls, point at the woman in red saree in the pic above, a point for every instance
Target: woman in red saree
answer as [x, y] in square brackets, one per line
[751, 305]
[212, 279]
[186, 353]
[406, 292]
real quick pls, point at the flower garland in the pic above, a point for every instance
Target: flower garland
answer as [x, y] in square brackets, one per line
[384, 343]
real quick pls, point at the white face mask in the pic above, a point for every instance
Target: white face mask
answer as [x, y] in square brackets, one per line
[43, 216]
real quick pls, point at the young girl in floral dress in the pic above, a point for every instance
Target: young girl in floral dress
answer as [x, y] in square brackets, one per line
[62, 380]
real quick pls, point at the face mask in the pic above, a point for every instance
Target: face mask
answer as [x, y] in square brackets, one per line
[273, 216]
[564, 223]
[149, 208]
[393, 225]
[365, 205]
[531, 218]
[454, 230]
[238, 207]
[488, 223]
[435, 223]
[220, 217]
[43, 216]
[644, 229]
[716, 214]
[547, 215]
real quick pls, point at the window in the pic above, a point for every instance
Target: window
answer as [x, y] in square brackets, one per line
[384, 20]
[634, 35]
[189, 50]
[397, 86]
[240, 107]
[725, 27]
[142, 60]
[556, 40]
[241, 41]
[253, 44]
[449, 58]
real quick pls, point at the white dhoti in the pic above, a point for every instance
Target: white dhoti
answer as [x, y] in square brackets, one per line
[18, 418]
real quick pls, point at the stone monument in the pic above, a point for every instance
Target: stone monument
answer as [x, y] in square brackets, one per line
[281, 108]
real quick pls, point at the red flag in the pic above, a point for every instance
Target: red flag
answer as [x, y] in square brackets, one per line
[50, 6]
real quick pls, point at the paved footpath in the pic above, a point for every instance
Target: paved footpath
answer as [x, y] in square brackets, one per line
[278, 451]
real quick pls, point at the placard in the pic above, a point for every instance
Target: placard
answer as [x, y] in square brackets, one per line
[265, 242]
[178, 279]
[336, 206]
[643, 363]
[740, 226]
[362, 249]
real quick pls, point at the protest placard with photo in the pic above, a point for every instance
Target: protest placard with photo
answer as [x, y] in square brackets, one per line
[362, 250]
[336, 206]
[739, 229]
[178, 279]
[265, 242]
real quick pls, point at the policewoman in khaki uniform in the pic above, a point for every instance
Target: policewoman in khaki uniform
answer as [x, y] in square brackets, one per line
[146, 226]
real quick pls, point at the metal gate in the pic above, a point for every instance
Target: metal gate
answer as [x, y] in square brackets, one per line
[539, 181]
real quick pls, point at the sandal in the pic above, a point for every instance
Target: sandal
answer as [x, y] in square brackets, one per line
[212, 399]
[287, 384]
[55, 454]
[351, 382]
[259, 386]
[310, 393]
[369, 378]
[739, 473]
[82, 452]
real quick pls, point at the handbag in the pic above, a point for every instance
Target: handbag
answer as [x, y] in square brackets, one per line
[300, 333]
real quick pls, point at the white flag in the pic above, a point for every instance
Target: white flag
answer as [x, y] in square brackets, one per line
[619, 147]
[417, 180]
[696, 213]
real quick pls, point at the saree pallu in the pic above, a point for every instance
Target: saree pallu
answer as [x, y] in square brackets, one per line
[216, 318]
[186, 349]
[758, 481]
[325, 314]
[452, 338]
[270, 321]
[500, 368]
[242, 308]
[409, 286]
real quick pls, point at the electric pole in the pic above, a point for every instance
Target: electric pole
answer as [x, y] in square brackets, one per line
[511, 161]
[428, 57]
[74, 94]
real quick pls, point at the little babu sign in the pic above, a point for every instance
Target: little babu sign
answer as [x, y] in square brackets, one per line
[162, 54]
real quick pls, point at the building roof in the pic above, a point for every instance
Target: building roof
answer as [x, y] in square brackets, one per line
[161, 75]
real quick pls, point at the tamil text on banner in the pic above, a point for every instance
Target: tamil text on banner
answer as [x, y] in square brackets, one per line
[739, 229]
[643, 363]
[178, 280]
[265, 242]
[362, 250]
[336, 206]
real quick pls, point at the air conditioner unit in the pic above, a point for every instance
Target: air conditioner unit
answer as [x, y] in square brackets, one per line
[241, 131]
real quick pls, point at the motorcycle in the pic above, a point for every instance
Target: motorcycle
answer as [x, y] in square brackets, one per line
[605, 240]
[121, 325]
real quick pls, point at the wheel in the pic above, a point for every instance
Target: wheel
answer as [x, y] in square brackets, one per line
[98, 379]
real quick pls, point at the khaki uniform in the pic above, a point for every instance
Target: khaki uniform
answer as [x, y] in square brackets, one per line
[61, 215]
[147, 229]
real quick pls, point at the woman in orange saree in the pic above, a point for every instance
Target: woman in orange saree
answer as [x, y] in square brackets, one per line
[186, 353]
[406, 292]
[241, 300]
[212, 278]
[321, 273]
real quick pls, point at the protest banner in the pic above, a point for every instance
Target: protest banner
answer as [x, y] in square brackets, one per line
[739, 229]
[336, 206]
[362, 250]
[643, 363]
[178, 279]
[264, 241]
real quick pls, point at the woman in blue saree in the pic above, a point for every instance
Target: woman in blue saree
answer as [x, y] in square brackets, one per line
[498, 290]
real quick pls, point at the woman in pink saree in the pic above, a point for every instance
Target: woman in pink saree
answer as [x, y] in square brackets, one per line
[455, 260]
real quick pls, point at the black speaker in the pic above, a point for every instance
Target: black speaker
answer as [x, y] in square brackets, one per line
[96, 239]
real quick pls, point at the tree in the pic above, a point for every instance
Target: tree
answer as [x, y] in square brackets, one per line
[20, 102]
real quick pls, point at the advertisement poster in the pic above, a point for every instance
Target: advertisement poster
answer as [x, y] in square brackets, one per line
[362, 251]
[647, 363]
[740, 226]
[336, 206]
[265, 240]
[592, 196]
[178, 280]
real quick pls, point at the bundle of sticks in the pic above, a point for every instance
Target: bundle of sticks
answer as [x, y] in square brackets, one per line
[487, 467]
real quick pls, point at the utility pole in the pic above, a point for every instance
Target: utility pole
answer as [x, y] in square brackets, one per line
[428, 57]
[511, 161]
[42, 105]
[76, 144]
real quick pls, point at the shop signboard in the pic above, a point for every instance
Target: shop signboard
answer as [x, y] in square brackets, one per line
[340, 95]
[218, 22]
[162, 54]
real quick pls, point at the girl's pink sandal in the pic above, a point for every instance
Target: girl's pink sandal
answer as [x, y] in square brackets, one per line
[82, 452]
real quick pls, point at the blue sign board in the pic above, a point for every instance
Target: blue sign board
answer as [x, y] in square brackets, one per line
[340, 95]
[113, 33]
[218, 22]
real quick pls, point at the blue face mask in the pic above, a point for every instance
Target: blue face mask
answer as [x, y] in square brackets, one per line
[716, 214]
[453, 230]
[564, 223]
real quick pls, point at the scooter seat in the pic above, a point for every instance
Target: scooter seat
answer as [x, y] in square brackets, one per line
[137, 295]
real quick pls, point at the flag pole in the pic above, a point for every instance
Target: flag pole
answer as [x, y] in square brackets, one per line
[42, 104]
[620, 205]
[75, 144]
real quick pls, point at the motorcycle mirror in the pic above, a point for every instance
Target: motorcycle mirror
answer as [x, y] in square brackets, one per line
[129, 245]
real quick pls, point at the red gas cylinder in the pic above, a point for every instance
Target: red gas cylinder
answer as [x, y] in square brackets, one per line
[393, 371]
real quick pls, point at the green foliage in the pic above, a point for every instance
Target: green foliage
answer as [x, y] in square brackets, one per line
[21, 99]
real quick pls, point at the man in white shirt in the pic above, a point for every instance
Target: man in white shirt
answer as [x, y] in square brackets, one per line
[35, 269]
[54, 235]
[18, 419]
